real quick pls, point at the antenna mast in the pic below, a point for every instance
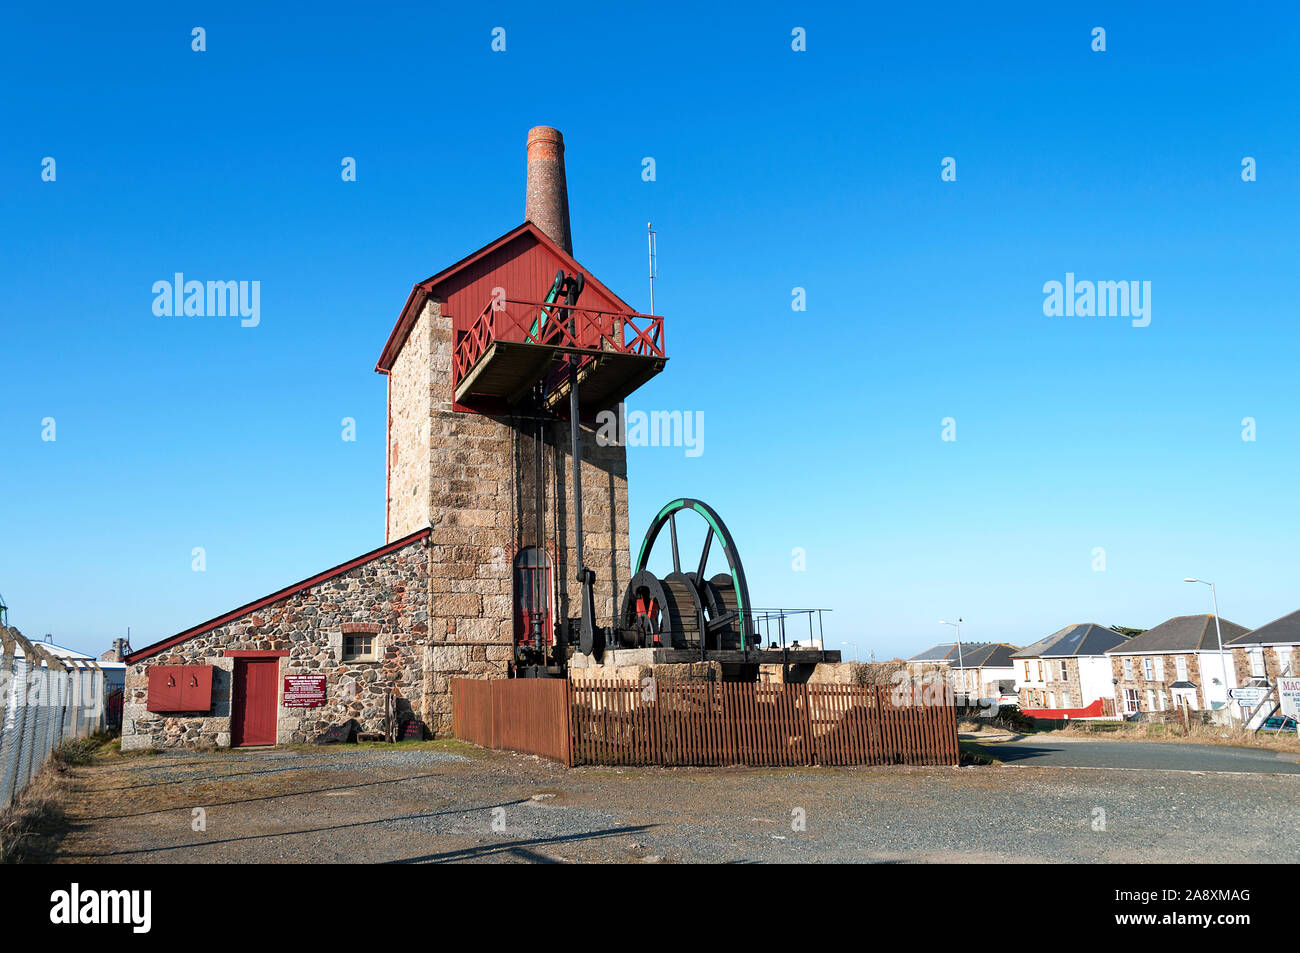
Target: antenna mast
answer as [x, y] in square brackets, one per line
[654, 261]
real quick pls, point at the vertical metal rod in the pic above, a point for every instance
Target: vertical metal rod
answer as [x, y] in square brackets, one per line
[672, 528]
[585, 576]
[539, 500]
[575, 428]
[650, 245]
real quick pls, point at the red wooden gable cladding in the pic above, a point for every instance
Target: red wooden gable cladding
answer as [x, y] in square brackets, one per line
[523, 261]
[525, 269]
[180, 688]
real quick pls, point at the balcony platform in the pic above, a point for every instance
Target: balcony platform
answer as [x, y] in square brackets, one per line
[508, 370]
[515, 345]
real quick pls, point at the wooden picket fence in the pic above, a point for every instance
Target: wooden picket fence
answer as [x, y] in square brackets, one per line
[702, 723]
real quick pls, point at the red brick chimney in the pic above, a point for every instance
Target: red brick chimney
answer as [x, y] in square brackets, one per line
[547, 201]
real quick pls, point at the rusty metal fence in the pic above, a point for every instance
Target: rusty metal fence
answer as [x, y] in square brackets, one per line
[702, 723]
[519, 714]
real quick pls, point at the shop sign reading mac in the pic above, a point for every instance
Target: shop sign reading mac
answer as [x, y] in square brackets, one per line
[304, 691]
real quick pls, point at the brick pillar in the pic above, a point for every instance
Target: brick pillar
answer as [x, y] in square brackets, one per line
[546, 203]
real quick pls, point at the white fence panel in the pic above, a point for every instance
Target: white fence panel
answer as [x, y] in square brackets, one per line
[43, 700]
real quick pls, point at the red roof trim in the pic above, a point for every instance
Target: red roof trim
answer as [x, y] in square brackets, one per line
[423, 290]
[233, 614]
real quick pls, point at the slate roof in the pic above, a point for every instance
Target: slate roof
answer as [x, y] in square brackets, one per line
[988, 655]
[1182, 633]
[1279, 631]
[1083, 638]
[973, 654]
[939, 653]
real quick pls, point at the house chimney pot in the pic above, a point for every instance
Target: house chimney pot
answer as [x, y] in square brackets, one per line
[547, 201]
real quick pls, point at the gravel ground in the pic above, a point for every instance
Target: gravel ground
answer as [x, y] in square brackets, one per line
[448, 802]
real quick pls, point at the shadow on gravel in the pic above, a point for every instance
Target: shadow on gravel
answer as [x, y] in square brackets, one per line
[259, 797]
[306, 830]
[279, 768]
[519, 848]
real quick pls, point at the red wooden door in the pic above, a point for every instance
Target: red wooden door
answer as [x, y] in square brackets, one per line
[253, 702]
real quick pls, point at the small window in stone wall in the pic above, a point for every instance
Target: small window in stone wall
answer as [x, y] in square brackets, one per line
[359, 648]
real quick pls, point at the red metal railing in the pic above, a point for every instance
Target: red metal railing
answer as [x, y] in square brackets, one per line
[555, 325]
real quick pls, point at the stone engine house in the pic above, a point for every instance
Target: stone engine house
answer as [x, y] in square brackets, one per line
[480, 560]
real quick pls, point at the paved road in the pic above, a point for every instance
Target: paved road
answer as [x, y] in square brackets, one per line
[1152, 755]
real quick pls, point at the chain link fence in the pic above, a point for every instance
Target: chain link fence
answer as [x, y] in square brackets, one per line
[44, 699]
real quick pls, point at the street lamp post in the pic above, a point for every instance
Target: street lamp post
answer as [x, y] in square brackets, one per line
[1223, 663]
[961, 666]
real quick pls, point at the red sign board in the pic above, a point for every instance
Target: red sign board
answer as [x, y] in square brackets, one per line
[304, 691]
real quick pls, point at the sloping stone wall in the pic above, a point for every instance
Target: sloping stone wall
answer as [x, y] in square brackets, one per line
[387, 596]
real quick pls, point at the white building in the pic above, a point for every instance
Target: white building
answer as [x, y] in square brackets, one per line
[1067, 673]
[1177, 664]
[975, 670]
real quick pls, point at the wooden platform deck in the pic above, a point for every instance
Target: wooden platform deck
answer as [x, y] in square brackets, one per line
[508, 370]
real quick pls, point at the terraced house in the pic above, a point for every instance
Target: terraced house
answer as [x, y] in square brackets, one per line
[1262, 655]
[974, 669]
[1174, 665]
[1067, 673]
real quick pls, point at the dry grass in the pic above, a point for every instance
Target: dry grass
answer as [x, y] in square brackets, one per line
[79, 751]
[1197, 734]
[31, 826]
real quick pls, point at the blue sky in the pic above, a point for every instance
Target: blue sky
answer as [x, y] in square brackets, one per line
[775, 169]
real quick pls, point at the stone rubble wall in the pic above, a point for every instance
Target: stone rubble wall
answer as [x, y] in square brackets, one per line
[386, 596]
[1273, 663]
[1141, 684]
